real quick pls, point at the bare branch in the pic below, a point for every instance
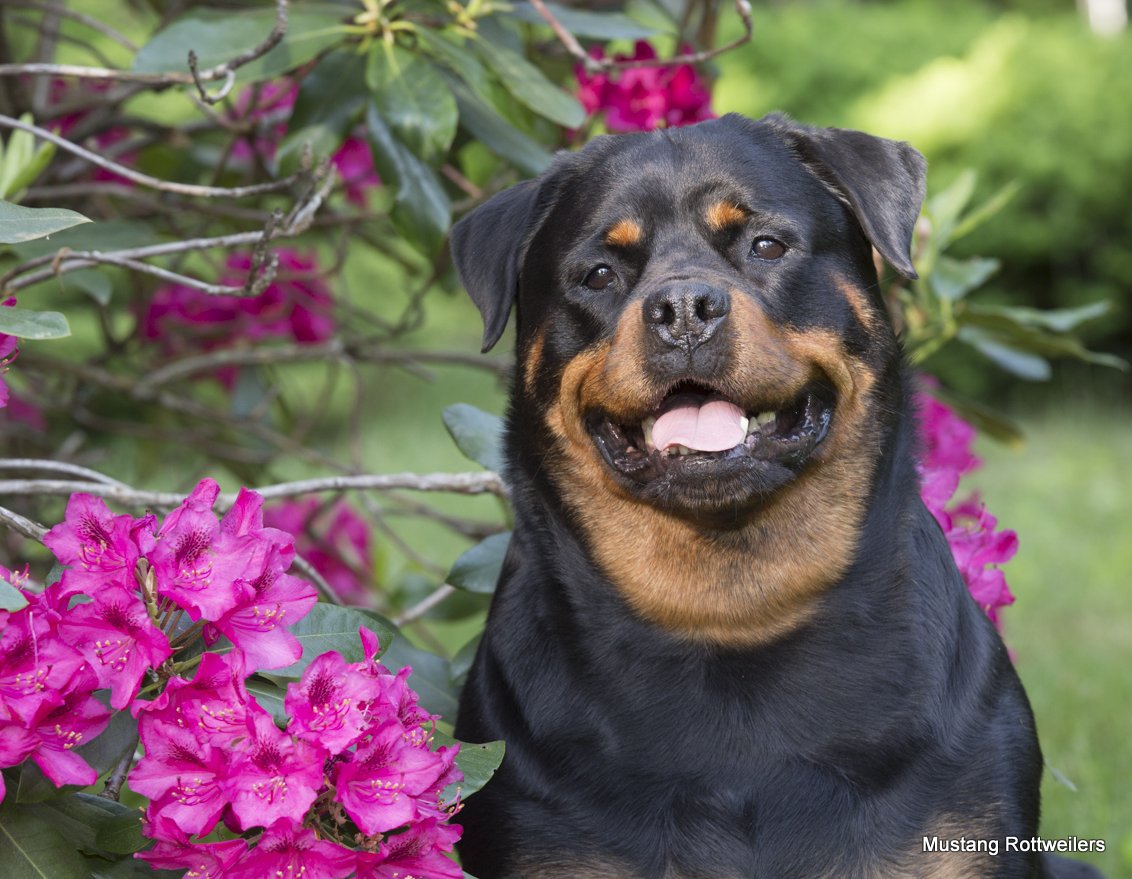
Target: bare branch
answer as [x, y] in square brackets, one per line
[278, 30]
[22, 525]
[144, 179]
[455, 483]
[49, 466]
[591, 64]
[423, 606]
[82, 18]
[321, 583]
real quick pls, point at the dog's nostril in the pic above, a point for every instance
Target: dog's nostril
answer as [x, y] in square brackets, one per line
[668, 314]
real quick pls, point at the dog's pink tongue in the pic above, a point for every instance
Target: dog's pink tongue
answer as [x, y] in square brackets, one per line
[710, 425]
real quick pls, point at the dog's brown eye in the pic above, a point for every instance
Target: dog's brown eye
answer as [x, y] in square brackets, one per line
[600, 278]
[768, 248]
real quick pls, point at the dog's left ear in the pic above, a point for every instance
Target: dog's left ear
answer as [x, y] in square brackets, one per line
[487, 248]
[883, 181]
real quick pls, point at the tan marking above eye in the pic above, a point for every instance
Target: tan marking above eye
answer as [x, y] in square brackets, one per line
[625, 233]
[723, 215]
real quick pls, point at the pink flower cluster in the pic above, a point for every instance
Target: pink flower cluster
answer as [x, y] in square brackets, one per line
[335, 539]
[118, 615]
[644, 98]
[8, 352]
[978, 548]
[353, 765]
[296, 305]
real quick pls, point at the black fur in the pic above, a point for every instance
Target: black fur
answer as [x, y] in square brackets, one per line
[894, 710]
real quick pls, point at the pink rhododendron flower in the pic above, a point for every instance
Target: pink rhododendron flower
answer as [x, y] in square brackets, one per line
[335, 539]
[331, 704]
[946, 456]
[8, 351]
[76, 721]
[273, 775]
[291, 851]
[644, 98]
[417, 851]
[99, 548]
[36, 668]
[354, 162]
[181, 774]
[120, 643]
[213, 704]
[203, 860]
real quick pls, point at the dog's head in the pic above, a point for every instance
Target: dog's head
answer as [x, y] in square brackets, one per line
[701, 338]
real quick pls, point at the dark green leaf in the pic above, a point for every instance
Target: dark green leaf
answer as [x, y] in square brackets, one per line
[219, 35]
[462, 662]
[32, 848]
[477, 762]
[984, 212]
[1024, 329]
[105, 750]
[478, 434]
[329, 104]
[477, 570]
[94, 282]
[431, 678]
[953, 279]
[18, 224]
[1020, 363]
[122, 834]
[10, 597]
[27, 324]
[83, 818]
[528, 85]
[330, 627]
[455, 57]
[581, 23]
[269, 695]
[500, 136]
[421, 210]
[413, 100]
[109, 235]
[945, 208]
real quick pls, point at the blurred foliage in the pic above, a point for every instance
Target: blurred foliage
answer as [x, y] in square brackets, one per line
[1035, 101]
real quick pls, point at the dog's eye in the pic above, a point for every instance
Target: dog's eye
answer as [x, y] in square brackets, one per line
[600, 278]
[768, 248]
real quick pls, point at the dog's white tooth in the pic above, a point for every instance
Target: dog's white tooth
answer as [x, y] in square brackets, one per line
[744, 423]
[646, 427]
[683, 450]
[765, 418]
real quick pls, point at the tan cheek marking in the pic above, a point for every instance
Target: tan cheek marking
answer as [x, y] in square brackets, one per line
[532, 360]
[918, 864]
[757, 581]
[625, 233]
[723, 215]
[858, 302]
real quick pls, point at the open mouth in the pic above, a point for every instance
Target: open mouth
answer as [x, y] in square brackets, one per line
[697, 433]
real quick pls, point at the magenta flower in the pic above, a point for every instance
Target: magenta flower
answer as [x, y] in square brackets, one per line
[213, 705]
[75, 722]
[8, 352]
[417, 851]
[354, 162]
[17, 743]
[37, 669]
[331, 704]
[99, 548]
[335, 539]
[946, 456]
[378, 788]
[273, 776]
[204, 860]
[290, 851]
[181, 773]
[115, 635]
[644, 98]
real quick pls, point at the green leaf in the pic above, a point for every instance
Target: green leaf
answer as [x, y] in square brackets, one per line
[27, 324]
[1058, 320]
[455, 57]
[18, 223]
[1025, 329]
[431, 678]
[269, 695]
[501, 137]
[581, 23]
[413, 99]
[122, 834]
[22, 162]
[528, 85]
[219, 35]
[945, 208]
[331, 627]
[462, 662]
[477, 762]
[109, 235]
[10, 597]
[32, 848]
[985, 419]
[478, 434]
[329, 104]
[83, 818]
[94, 282]
[984, 212]
[1020, 363]
[421, 210]
[953, 279]
[477, 570]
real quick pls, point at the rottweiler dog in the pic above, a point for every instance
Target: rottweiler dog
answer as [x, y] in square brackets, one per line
[728, 640]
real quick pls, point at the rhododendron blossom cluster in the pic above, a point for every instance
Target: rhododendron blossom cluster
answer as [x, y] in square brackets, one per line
[350, 785]
[8, 352]
[644, 98]
[946, 456]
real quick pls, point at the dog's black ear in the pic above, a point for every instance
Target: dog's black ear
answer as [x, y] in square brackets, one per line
[883, 181]
[487, 248]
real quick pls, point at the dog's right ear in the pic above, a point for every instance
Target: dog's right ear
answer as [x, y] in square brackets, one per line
[488, 246]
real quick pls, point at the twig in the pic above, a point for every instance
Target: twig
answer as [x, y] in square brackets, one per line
[22, 525]
[278, 29]
[423, 606]
[144, 179]
[49, 466]
[321, 583]
[117, 778]
[455, 483]
[591, 64]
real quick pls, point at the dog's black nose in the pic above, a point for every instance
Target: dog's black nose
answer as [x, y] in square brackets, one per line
[686, 315]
